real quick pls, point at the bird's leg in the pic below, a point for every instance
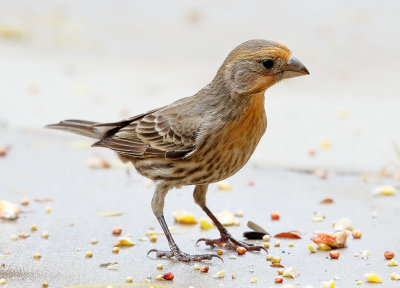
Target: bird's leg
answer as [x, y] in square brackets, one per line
[158, 205]
[226, 239]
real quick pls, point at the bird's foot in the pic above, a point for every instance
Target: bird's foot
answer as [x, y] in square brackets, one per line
[184, 257]
[227, 241]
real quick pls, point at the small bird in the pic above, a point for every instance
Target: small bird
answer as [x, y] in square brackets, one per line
[203, 138]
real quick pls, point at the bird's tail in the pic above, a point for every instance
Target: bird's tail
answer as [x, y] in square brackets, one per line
[82, 127]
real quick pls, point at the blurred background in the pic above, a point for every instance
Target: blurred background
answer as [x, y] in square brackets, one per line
[106, 60]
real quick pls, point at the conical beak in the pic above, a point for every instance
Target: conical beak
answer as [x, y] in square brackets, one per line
[294, 68]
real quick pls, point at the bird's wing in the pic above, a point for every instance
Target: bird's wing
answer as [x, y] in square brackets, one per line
[161, 134]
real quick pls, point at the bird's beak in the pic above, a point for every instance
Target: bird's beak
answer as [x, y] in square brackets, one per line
[294, 68]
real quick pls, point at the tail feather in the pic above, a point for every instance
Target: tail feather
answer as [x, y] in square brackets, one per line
[82, 127]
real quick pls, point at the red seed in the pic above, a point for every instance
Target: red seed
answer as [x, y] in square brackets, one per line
[117, 231]
[275, 216]
[278, 279]
[241, 250]
[389, 255]
[334, 254]
[168, 276]
[204, 269]
[233, 276]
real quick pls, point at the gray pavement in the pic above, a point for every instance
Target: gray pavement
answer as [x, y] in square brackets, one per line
[44, 165]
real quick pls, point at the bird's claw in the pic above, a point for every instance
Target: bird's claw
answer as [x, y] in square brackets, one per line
[184, 257]
[231, 243]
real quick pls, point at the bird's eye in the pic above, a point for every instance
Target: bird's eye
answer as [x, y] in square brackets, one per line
[268, 63]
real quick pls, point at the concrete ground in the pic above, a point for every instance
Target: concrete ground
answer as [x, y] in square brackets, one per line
[41, 165]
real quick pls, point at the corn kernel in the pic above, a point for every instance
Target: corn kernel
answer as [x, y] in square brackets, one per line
[160, 266]
[266, 245]
[48, 209]
[266, 238]
[373, 278]
[324, 247]
[395, 276]
[159, 277]
[206, 223]
[89, 254]
[312, 248]
[153, 238]
[3, 281]
[115, 250]
[37, 255]
[45, 234]
[33, 228]
[253, 280]
[129, 279]
[220, 252]
[45, 284]
[277, 243]
[391, 263]
[94, 241]
[196, 267]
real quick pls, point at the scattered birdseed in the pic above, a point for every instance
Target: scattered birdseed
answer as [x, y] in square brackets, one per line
[48, 209]
[241, 250]
[3, 281]
[37, 255]
[278, 279]
[205, 223]
[232, 257]
[117, 231]
[14, 237]
[160, 266]
[224, 185]
[147, 280]
[150, 233]
[204, 269]
[276, 259]
[290, 272]
[334, 254]
[277, 243]
[129, 279]
[395, 276]
[266, 245]
[220, 252]
[23, 235]
[24, 201]
[220, 274]
[45, 235]
[280, 271]
[358, 283]
[343, 224]
[386, 190]
[372, 278]
[234, 276]
[8, 210]
[94, 241]
[239, 213]
[125, 241]
[253, 280]
[326, 144]
[168, 276]
[89, 254]
[196, 267]
[45, 284]
[312, 248]
[392, 262]
[33, 228]
[356, 234]
[266, 238]
[291, 244]
[275, 216]
[153, 238]
[159, 277]
[113, 266]
[269, 257]
[317, 219]
[364, 254]
[115, 250]
[389, 255]
[184, 217]
[97, 163]
[143, 239]
[328, 284]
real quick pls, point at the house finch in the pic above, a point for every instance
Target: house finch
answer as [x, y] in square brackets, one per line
[200, 139]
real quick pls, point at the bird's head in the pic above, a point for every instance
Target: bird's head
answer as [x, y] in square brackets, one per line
[255, 65]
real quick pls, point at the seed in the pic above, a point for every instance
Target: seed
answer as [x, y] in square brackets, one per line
[266, 238]
[389, 255]
[48, 209]
[276, 259]
[291, 244]
[324, 247]
[356, 234]
[241, 250]
[234, 276]
[373, 278]
[45, 284]
[37, 255]
[160, 266]
[153, 238]
[391, 262]
[334, 254]
[269, 257]
[312, 248]
[115, 250]
[23, 235]
[150, 232]
[278, 279]
[220, 252]
[117, 231]
[280, 271]
[129, 279]
[204, 269]
[253, 280]
[94, 241]
[14, 237]
[395, 276]
[33, 228]
[159, 277]
[3, 281]
[117, 243]
[275, 216]
[24, 201]
[277, 243]
[196, 267]
[168, 276]
[266, 245]
[89, 254]
[45, 234]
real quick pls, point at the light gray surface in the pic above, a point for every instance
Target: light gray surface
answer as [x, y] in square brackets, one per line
[46, 166]
[106, 60]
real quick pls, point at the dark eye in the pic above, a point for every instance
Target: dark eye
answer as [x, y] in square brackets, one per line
[268, 63]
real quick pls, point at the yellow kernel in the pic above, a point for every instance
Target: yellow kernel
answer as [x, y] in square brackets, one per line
[94, 241]
[266, 245]
[37, 255]
[312, 248]
[276, 259]
[48, 209]
[89, 254]
[291, 244]
[129, 280]
[160, 266]
[277, 243]
[373, 278]
[280, 271]
[196, 267]
[253, 280]
[324, 247]
[33, 228]
[115, 250]
[220, 252]
[45, 234]
[153, 238]
[266, 238]
[3, 281]
[160, 277]
[45, 284]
